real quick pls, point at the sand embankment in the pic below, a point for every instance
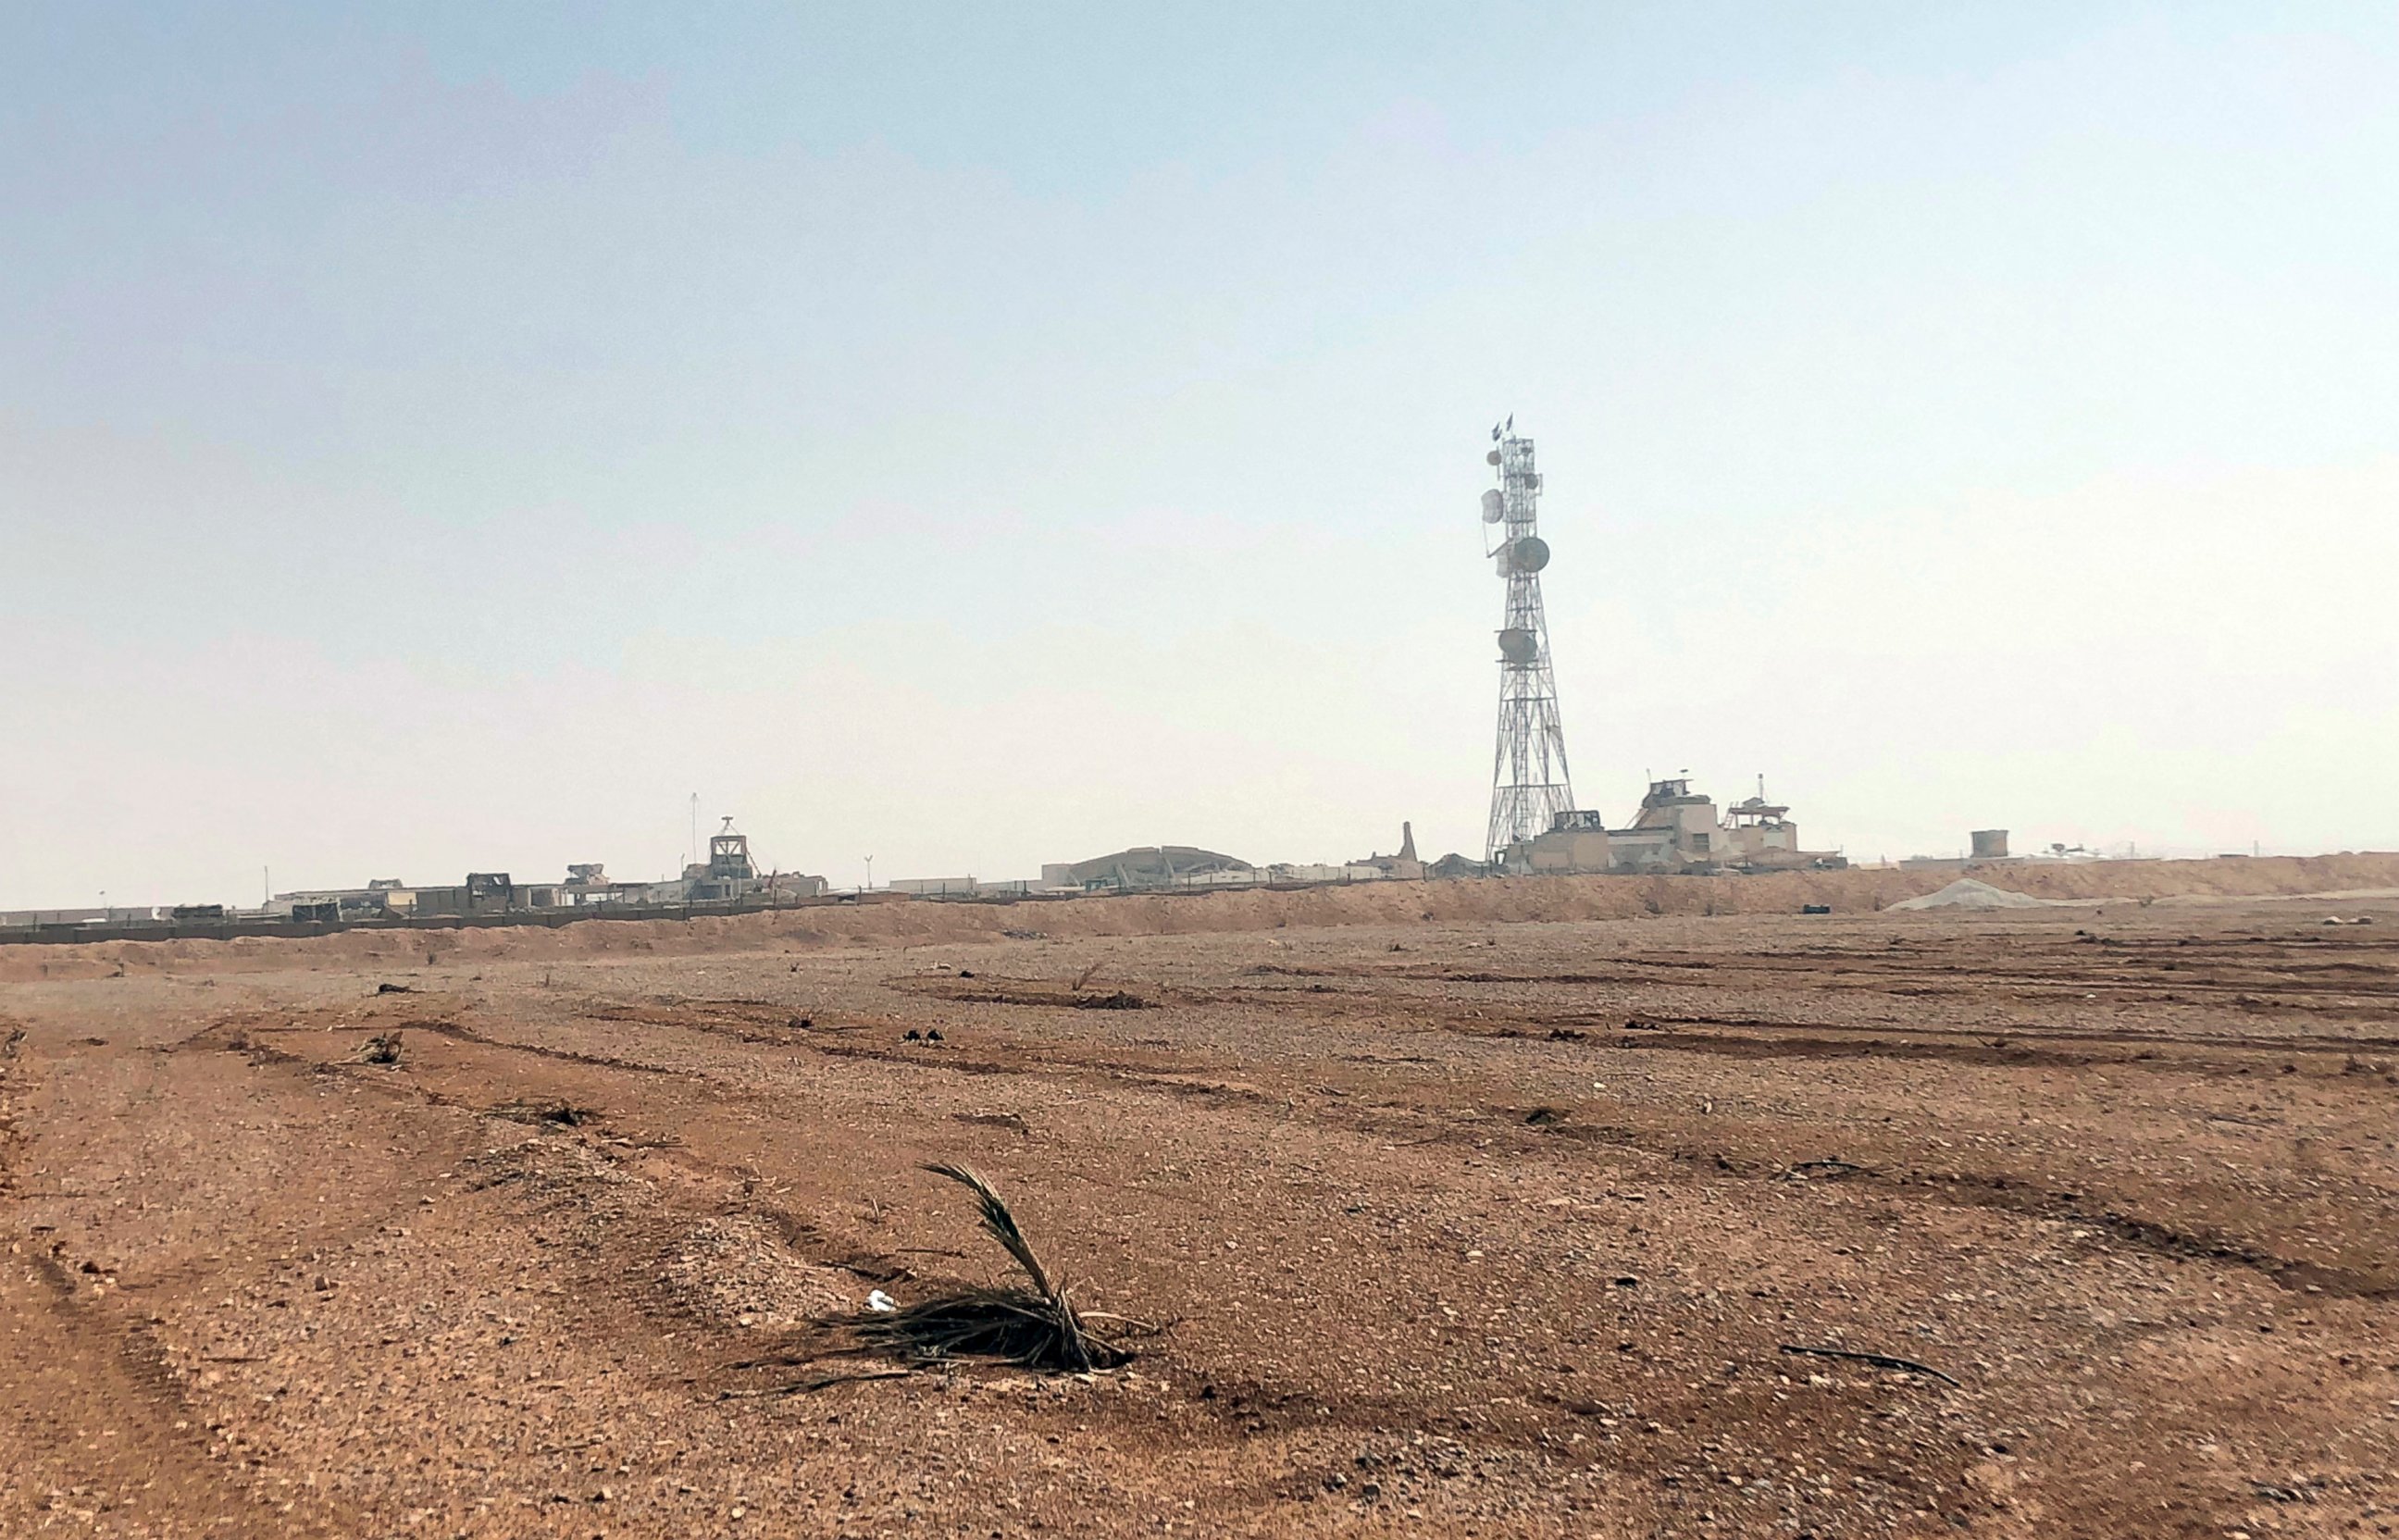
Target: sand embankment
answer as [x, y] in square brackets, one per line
[924, 921]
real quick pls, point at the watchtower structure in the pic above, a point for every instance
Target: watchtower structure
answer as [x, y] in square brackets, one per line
[728, 856]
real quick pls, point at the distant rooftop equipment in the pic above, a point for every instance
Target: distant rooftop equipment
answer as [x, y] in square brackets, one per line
[486, 891]
[1990, 845]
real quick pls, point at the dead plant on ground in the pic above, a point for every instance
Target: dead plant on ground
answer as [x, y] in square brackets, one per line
[1879, 1360]
[382, 1048]
[1035, 1328]
[565, 1114]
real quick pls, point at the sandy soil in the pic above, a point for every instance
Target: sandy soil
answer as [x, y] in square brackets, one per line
[1459, 1226]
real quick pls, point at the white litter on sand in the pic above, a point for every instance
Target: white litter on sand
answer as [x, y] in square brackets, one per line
[1966, 893]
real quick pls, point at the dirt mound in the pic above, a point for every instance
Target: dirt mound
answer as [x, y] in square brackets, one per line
[736, 1271]
[1966, 893]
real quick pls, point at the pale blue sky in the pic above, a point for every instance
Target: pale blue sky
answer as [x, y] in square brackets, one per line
[448, 436]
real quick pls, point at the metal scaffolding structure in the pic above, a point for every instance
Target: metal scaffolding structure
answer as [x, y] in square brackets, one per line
[1529, 784]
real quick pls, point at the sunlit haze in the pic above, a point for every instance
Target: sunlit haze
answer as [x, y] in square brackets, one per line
[435, 438]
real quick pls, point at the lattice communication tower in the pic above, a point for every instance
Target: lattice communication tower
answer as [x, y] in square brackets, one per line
[1529, 785]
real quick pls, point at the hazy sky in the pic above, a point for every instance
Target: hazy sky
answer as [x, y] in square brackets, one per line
[440, 437]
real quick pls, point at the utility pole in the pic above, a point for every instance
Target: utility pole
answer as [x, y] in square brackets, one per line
[870, 873]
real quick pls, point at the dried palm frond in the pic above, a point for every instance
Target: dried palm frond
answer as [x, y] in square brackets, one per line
[1035, 1328]
[567, 1115]
[998, 1222]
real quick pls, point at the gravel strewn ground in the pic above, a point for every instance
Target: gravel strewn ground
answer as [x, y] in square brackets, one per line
[1455, 1228]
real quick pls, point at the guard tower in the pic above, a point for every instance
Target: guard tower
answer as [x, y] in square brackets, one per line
[728, 856]
[1529, 785]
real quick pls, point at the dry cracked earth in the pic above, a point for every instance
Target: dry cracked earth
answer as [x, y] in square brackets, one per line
[1446, 1230]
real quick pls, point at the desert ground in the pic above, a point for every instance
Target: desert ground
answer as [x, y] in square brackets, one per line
[1420, 1219]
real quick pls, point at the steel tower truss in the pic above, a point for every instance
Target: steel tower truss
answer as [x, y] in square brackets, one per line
[1529, 784]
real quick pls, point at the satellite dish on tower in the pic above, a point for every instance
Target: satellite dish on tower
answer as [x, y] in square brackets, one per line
[1529, 554]
[1491, 458]
[1495, 507]
[1517, 646]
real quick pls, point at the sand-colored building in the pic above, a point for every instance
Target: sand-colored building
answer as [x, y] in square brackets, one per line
[1675, 829]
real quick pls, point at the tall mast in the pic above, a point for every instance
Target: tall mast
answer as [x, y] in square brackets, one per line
[1529, 784]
